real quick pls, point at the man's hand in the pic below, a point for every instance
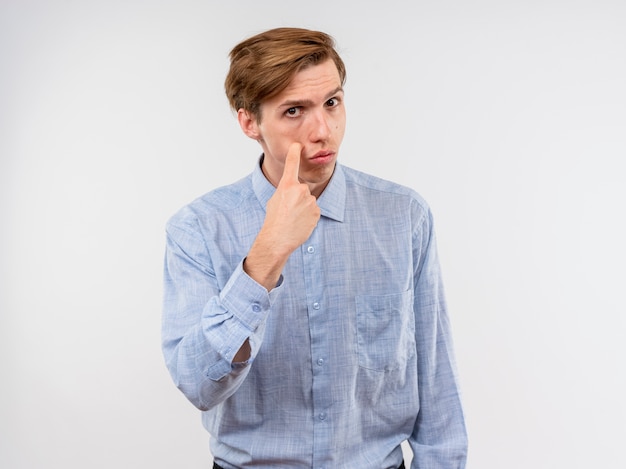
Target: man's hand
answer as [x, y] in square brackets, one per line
[292, 214]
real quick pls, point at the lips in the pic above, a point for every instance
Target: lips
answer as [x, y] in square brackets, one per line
[322, 157]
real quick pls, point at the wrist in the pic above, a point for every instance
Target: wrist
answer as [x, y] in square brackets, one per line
[264, 265]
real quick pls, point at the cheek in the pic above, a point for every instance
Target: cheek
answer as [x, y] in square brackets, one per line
[278, 137]
[280, 140]
[277, 147]
[340, 128]
[340, 122]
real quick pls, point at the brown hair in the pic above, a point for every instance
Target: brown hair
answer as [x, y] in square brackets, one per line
[263, 65]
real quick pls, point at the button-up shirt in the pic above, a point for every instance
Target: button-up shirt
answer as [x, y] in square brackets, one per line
[351, 353]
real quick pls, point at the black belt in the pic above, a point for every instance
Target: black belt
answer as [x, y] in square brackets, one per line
[216, 466]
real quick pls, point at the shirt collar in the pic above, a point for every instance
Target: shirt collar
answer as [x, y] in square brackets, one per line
[332, 202]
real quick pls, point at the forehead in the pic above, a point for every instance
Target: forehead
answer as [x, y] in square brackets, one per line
[314, 81]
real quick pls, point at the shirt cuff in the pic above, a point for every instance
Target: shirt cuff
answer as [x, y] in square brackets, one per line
[248, 300]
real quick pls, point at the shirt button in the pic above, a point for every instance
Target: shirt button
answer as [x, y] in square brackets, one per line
[322, 416]
[310, 249]
[320, 361]
[256, 308]
[316, 305]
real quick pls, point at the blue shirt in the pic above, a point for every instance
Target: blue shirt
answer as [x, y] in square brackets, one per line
[351, 351]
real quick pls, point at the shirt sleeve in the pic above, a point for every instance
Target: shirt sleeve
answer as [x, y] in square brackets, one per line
[203, 324]
[439, 438]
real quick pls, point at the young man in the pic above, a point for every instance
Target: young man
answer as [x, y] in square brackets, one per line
[304, 311]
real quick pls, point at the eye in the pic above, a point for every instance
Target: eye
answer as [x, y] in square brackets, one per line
[293, 111]
[332, 102]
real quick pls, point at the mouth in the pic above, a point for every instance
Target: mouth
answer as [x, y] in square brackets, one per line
[322, 157]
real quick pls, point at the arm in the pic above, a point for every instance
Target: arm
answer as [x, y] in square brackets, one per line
[211, 333]
[439, 439]
[292, 214]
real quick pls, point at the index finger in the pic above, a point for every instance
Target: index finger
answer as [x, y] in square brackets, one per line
[292, 163]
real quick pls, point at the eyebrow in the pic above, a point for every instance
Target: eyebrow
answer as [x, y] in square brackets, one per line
[308, 102]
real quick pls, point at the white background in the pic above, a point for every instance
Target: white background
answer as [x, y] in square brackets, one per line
[509, 117]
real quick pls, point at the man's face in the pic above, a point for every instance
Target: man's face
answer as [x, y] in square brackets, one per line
[309, 111]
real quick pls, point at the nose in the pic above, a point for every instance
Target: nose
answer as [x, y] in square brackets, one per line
[320, 127]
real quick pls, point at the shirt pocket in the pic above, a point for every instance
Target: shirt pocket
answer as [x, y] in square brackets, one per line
[385, 331]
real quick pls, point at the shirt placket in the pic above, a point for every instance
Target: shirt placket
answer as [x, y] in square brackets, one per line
[313, 261]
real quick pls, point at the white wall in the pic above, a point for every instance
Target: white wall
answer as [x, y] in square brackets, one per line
[507, 116]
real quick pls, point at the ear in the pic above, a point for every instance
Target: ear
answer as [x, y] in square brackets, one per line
[248, 124]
